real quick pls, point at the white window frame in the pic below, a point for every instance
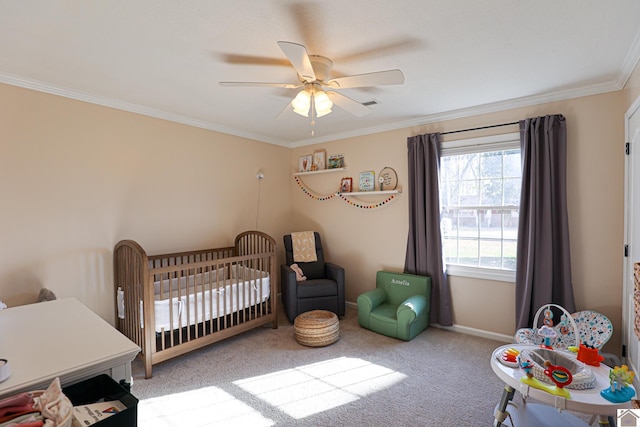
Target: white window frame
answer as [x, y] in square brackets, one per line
[507, 141]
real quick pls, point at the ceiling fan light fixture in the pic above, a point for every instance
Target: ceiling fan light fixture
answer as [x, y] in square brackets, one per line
[301, 103]
[322, 103]
[313, 73]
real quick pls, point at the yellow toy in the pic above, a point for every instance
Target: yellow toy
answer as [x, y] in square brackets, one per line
[620, 378]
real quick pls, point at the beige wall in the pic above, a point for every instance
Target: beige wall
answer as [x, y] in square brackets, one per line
[365, 241]
[76, 178]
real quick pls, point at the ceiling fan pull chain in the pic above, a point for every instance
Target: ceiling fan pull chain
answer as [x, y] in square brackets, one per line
[313, 114]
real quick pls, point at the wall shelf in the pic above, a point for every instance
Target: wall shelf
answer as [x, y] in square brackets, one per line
[349, 198]
[320, 171]
[370, 193]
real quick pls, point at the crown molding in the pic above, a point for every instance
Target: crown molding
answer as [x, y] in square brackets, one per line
[473, 111]
[630, 61]
[629, 64]
[132, 108]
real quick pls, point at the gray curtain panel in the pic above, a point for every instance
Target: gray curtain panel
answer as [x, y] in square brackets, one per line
[424, 243]
[543, 269]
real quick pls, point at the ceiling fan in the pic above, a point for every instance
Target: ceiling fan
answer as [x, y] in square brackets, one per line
[313, 75]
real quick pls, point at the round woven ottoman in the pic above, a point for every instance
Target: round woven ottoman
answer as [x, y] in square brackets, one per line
[317, 328]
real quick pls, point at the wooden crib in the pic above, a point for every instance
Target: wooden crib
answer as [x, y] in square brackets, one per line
[174, 303]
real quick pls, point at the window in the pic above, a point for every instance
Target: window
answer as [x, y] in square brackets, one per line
[480, 182]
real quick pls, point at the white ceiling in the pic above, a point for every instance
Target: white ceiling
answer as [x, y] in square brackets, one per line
[164, 58]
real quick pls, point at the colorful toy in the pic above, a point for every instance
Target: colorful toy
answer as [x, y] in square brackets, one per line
[560, 375]
[547, 333]
[526, 366]
[589, 355]
[509, 357]
[548, 317]
[620, 378]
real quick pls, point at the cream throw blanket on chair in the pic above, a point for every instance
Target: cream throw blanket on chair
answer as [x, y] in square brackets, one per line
[304, 246]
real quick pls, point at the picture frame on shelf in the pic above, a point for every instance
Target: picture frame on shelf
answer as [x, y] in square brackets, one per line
[335, 161]
[346, 185]
[305, 162]
[367, 181]
[320, 159]
[388, 179]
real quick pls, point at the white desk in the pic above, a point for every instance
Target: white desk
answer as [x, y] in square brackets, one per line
[585, 401]
[60, 338]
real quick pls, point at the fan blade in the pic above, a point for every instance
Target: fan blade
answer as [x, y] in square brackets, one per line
[346, 103]
[379, 78]
[232, 58]
[258, 84]
[299, 58]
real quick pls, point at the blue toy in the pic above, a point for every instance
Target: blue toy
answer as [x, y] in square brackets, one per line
[620, 378]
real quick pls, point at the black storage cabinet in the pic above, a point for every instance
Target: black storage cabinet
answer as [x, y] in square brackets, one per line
[104, 388]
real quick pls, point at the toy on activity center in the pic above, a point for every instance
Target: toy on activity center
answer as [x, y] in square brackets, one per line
[554, 371]
[547, 331]
[559, 375]
[589, 355]
[509, 357]
[620, 378]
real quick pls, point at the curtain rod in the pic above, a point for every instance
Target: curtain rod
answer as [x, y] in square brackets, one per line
[483, 127]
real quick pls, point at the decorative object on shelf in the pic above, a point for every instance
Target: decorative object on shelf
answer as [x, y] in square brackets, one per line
[367, 181]
[335, 161]
[346, 185]
[388, 179]
[620, 378]
[320, 159]
[305, 162]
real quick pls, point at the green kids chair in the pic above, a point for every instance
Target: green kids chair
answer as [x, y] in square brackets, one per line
[398, 307]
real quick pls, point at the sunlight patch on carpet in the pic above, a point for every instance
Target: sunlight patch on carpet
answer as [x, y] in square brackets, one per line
[203, 407]
[311, 389]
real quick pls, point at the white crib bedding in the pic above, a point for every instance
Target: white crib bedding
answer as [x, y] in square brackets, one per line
[200, 296]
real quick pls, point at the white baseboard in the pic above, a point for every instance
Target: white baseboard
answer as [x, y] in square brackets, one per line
[463, 329]
[476, 332]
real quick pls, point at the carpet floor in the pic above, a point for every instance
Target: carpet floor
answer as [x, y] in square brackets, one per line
[265, 378]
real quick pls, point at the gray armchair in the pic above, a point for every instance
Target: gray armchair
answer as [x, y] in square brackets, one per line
[323, 289]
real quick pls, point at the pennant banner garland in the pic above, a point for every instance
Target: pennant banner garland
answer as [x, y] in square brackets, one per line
[346, 199]
[306, 191]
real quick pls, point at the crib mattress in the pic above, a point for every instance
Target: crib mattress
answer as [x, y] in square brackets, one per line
[201, 297]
